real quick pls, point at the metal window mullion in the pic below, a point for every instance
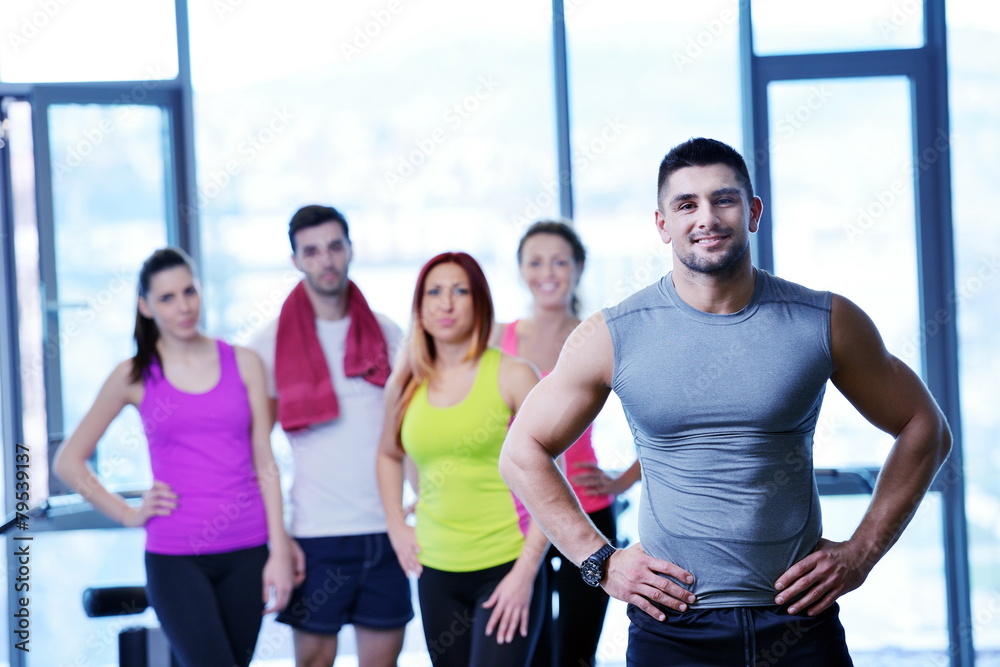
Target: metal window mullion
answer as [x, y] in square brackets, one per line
[183, 217]
[561, 85]
[936, 249]
[756, 137]
[840, 65]
[11, 405]
[45, 216]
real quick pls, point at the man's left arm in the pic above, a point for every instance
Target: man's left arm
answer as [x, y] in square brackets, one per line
[893, 398]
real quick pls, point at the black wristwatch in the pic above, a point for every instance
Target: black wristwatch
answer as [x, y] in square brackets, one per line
[592, 569]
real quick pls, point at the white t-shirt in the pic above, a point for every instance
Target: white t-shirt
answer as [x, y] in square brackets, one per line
[334, 488]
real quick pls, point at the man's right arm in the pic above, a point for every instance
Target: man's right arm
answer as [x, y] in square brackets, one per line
[553, 416]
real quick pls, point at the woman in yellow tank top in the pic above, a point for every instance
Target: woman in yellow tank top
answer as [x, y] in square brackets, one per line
[448, 405]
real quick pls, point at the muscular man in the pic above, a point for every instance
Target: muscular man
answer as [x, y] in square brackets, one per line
[721, 370]
[327, 357]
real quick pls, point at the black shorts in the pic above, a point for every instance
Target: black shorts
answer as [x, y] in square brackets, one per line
[350, 580]
[737, 637]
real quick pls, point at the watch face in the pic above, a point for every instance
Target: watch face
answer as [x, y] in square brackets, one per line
[591, 572]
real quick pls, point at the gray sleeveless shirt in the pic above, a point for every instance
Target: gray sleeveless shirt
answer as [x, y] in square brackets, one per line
[723, 409]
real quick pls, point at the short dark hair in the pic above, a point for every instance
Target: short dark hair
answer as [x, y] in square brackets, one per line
[313, 215]
[701, 152]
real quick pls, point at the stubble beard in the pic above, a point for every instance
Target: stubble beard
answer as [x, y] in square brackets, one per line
[720, 267]
[338, 289]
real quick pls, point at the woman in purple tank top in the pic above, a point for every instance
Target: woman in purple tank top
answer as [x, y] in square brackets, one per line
[217, 555]
[551, 258]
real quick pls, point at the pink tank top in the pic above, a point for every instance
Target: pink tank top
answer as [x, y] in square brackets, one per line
[581, 451]
[200, 445]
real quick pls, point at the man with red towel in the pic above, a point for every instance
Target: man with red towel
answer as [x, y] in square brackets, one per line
[328, 357]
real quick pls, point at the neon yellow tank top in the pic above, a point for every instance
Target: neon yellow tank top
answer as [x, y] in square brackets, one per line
[466, 514]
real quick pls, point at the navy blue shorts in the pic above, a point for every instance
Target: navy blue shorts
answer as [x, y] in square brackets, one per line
[350, 580]
[737, 637]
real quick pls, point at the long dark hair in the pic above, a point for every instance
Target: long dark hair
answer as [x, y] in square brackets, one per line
[562, 229]
[146, 331]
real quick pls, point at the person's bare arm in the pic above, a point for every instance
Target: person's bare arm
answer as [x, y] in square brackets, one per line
[597, 482]
[71, 460]
[511, 599]
[551, 419]
[279, 571]
[298, 556]
[389, 470]
[893, 398]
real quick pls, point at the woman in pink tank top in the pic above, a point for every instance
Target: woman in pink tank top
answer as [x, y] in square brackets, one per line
[216, 547]
[551, 258]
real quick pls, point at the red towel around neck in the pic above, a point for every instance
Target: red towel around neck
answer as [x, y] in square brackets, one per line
[301, 374]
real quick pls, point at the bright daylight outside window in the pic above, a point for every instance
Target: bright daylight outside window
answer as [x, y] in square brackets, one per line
[432, 126]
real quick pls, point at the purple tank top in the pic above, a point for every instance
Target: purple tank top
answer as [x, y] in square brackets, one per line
[200, 445]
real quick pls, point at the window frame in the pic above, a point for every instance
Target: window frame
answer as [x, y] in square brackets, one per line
[926, 68]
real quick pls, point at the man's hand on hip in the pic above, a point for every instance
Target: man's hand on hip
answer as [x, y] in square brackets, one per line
[816, 581]
[635, 577]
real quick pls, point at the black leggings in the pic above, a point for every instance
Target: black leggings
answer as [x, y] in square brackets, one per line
[208, 606]
[570, 638]
[451, 607]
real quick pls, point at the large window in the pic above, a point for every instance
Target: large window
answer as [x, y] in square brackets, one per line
[844, 220]
[974, 42]
[429, 126]
[851, 178]
[432, 126]
[96, 40]
[108, 191]
[842, 206]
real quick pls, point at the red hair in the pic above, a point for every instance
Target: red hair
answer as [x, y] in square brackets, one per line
[422, 351]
